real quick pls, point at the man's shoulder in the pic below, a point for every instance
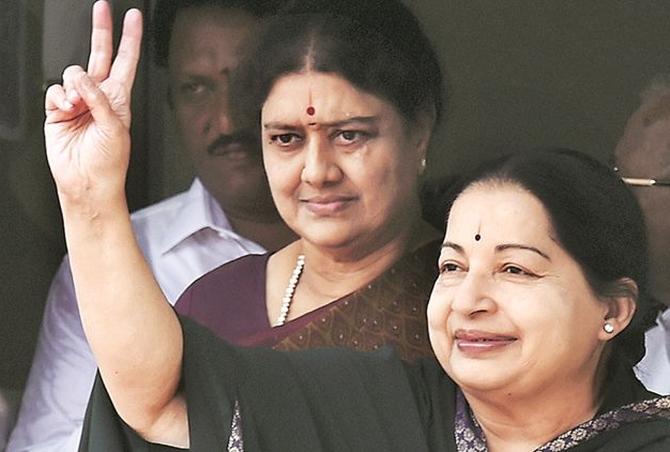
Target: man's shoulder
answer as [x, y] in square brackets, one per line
[153, 220]
[160, 210]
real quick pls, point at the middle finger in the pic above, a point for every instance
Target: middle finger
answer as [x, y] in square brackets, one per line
[124, 66]
[100, 57]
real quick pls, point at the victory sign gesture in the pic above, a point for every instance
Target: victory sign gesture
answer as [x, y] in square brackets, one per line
[87, 126]
[131, 329]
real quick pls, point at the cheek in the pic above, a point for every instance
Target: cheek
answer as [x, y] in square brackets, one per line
[438, 309]
[535, 314]
[384, 180]
[551, 319]
[191, 123]
[283, 176]
[438, 312]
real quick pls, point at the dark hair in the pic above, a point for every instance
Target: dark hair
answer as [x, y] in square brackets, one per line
[165, 13]
[596, 218]
[377, 45]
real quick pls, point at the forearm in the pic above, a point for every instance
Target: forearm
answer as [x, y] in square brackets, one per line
[133, 332]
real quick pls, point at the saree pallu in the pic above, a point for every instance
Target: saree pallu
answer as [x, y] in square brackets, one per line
[339, 400]
[390, 310]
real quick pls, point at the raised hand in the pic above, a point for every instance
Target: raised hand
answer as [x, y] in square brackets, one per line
[87, 126]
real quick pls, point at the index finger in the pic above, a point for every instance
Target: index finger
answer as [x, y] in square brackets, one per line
[100, 57]
[124, 66]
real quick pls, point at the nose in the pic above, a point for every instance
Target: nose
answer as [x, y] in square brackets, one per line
[473, 295]
[220, 121]
[320, 165]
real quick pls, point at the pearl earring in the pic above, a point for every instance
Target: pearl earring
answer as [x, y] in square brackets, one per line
[608, 327]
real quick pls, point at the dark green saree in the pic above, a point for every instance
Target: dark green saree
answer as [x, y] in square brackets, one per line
[339, 400]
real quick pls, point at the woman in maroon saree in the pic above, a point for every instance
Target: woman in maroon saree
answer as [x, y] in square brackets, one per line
[344, 146]
[390, 310]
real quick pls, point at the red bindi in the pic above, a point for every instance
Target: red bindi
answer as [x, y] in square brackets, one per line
[311, 111]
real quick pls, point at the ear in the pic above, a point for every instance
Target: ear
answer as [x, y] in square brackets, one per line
[621, 303]
[422, 130]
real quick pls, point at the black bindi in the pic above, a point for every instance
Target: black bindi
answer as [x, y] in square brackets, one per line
[478, 237]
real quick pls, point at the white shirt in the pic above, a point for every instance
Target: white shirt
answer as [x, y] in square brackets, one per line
[654, 369]
[182, 237]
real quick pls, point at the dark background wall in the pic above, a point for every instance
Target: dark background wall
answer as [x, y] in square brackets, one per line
[521, 73]
[548, 72]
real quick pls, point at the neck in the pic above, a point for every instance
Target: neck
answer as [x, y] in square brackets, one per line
[403, 231]
[334, 276]
[524, 424]
[271, 233]
[331, 274]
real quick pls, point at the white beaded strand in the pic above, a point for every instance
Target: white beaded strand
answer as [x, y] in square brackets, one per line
[290, 291]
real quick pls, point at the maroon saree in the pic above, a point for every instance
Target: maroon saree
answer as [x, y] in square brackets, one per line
[390, 310]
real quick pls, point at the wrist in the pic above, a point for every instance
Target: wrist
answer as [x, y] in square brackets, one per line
[87, 201]
[82, 213]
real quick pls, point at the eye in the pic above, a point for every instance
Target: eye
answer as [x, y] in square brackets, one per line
[285, 139]
[192, 88]
[449, 267]
[348, 137]
[194, 92]
[516, 270]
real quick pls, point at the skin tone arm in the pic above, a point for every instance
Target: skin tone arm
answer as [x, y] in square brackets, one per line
[134, 334]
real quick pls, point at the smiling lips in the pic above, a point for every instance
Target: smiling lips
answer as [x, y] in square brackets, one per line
[476, 342]
[327, 205]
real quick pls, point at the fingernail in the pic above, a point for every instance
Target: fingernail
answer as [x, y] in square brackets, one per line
[72, 95]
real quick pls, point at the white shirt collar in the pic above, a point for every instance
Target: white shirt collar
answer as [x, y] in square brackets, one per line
[198, 210]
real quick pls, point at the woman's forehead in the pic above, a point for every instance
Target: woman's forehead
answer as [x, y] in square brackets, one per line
[497, 212]
[318, 96]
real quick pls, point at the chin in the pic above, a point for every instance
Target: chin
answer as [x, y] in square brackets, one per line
[327, 240]
[482, 376]
[331, 232]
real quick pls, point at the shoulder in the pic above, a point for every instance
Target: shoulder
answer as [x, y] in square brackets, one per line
[245, 269]
[651, 433]
[155, 217]
[229, 300]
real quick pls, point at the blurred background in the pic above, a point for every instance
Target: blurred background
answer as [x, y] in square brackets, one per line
[521, 73]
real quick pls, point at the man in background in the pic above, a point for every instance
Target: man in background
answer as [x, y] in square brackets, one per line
[227, 212]
[643, 160]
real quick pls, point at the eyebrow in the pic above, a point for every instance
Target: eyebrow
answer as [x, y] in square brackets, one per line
[344, 122]
[456, 247]
[506, 246]
[519, 246]
[193, 77]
